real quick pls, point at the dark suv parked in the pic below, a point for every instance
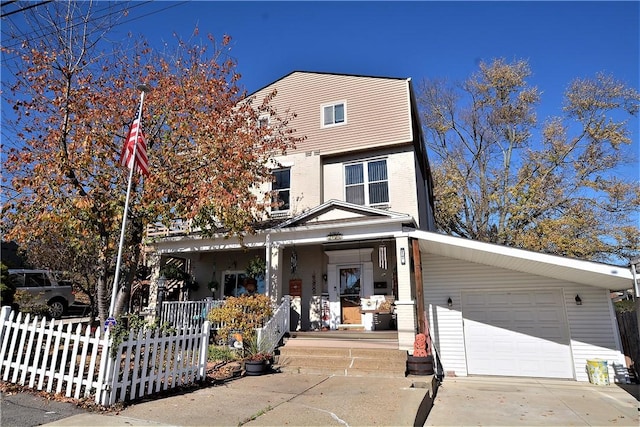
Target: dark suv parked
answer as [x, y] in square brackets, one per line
[44, 288]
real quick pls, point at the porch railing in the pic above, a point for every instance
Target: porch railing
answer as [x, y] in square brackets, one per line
[271, 333]
[176, 227]
[185, 314]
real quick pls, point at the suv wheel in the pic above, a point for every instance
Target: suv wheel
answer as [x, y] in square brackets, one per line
[57, 308]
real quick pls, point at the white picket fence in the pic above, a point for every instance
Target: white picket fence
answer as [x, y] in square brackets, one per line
[52, 356]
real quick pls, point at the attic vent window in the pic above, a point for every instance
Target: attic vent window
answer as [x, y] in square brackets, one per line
[263, 122]
[334, 114]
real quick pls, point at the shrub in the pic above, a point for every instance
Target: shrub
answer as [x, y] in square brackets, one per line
[244, 314]
[25, 301]
[7, 286]
[221, 353]
[624, 305]
[129, 326]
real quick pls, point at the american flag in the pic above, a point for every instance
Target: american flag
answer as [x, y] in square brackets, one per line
[141, 161]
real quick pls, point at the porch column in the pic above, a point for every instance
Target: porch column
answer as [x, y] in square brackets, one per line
[154, 261]
[405, 305]
[273, 279]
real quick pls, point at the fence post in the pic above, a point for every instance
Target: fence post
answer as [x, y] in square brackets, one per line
[4, 317]
[204, 349]
[104, 384]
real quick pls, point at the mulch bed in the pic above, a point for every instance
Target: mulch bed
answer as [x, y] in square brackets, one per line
[221, 372]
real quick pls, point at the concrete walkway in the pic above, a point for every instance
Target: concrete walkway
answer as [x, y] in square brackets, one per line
[278, 400]
[317, 400]
[502, 401]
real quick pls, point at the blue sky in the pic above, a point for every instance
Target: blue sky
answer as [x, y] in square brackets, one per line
[561, 40]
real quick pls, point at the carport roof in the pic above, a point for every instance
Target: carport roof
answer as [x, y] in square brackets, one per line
[573, 270]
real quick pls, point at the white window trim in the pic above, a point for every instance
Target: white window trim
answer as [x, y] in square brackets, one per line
[281, 212]
[330, 104]
[366, 181]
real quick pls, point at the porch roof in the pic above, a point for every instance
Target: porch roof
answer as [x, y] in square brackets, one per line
[339, 211]
[600, 275]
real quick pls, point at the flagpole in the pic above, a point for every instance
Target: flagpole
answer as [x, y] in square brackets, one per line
[116, 278]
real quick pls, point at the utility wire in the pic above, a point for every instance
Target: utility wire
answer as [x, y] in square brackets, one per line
[41, 32]
[114, 12]
[24, 8]
[118, 11]
[52, 26]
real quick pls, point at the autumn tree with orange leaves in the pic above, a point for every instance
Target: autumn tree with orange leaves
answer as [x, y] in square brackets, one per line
[74, 98]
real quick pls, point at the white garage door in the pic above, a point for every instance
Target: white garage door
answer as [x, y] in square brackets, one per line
[519, 333]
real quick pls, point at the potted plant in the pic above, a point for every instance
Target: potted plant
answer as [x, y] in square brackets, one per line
[256, 357]
[213, 287]
[173, 272]
[255, 271]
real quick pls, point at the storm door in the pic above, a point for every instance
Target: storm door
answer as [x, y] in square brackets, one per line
[350, 277]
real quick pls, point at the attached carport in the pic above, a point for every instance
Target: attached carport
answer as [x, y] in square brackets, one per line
[494, 310]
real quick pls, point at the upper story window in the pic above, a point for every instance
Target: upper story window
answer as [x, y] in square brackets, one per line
[281, 187]
[366, 183]
[334, 114]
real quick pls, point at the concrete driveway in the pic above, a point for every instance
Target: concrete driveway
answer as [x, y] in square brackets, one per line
[508, 401]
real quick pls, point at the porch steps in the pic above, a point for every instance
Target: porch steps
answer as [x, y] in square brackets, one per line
[343, 354]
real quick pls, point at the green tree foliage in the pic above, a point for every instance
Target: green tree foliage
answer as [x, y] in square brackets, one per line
[73, 96]
[500, 177]
[7, 286]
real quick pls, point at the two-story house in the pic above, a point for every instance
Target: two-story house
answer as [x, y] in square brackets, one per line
[355, 230]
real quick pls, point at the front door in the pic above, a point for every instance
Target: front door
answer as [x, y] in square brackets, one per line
[349, 278]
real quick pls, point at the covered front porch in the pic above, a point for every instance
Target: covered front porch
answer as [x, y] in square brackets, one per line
[345, 267]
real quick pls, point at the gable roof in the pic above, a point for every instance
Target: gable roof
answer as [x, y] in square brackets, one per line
[600, 275]
[337, 211]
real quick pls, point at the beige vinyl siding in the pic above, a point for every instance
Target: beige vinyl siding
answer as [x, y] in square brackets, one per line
[590, 325]
[377, 110]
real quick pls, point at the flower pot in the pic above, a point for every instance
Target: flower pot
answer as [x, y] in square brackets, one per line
[254, 368]
[250, 284]
[419, 365]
